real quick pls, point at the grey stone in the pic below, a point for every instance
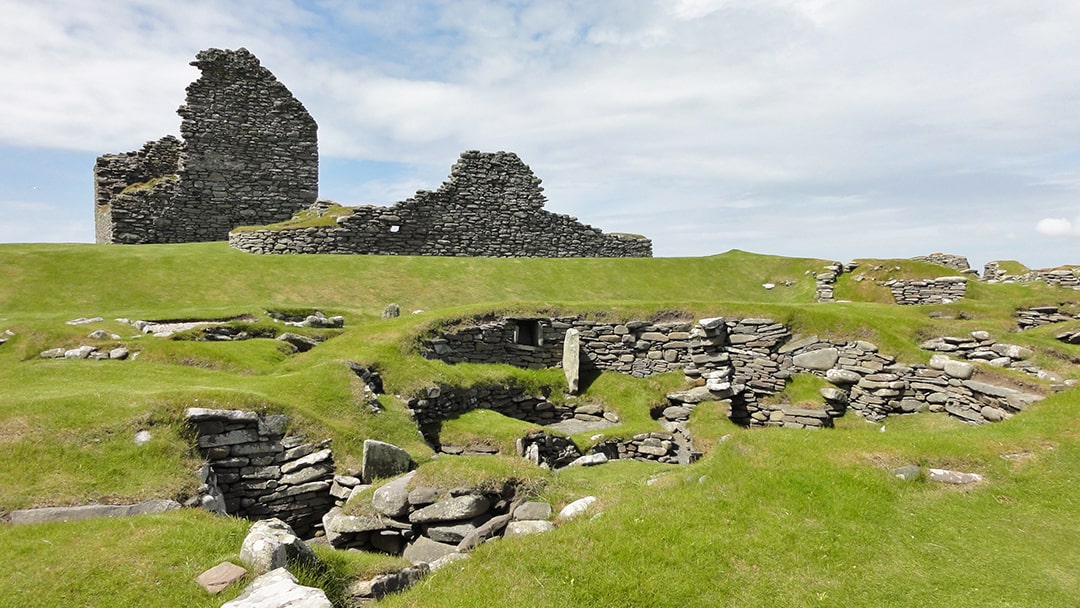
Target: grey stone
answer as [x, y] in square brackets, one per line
[692, 396]
[119, 353]
[200, 414]
[589, 460]
[383, 460]
[676, 413]
[453, 532]
[571, 360]
[272, 544]
[392, 311]
[524, 528]
[52, 353]
[391, 582]
[307, 461]
[423, 550]
[392, 499]
[532, 510]
[50, 514]
[576, 508]
[452, 509]
[953, 477]
[842, 376]
[993, 414]
[279, 589]
[821, 360]
[959, 369]
[299, 342]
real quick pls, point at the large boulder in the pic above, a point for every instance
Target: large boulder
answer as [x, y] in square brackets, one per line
[383, 460]
[423, 550]
[392, 499]
[272, 544]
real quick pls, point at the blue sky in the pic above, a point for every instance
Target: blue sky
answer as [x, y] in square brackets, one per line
[837, 129]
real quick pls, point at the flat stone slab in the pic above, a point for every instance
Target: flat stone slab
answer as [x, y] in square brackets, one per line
[220, 576]
[279, 589]
[527, 527]
[51, 514]
[425, 551]
[574, 426]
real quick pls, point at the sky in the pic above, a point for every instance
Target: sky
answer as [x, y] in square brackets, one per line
[834, 129]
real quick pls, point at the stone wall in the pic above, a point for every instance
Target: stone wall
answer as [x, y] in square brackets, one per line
[249, 156]
[956, 262]
[259, 472]
[1068, 277]
[743, 361]
[491, 206]
[942, 290]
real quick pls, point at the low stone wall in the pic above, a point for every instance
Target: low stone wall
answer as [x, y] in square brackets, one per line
[942, 290]
[1041, 315]
[956, 262]
[490, 206]
[259, 472]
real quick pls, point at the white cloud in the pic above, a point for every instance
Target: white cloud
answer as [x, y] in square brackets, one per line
[827, 110]
[1058, 226]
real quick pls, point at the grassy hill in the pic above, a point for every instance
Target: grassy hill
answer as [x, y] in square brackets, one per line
[767, 517]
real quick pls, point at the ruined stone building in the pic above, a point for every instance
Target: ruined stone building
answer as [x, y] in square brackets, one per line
[249, 155]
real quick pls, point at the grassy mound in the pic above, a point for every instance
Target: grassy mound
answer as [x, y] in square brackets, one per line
[784, 518]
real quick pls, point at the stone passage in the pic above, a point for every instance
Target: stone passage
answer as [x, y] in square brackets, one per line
[259, 473]
[249, 155]
[491, 206]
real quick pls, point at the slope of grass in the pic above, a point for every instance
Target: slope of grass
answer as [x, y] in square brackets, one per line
[767, 517]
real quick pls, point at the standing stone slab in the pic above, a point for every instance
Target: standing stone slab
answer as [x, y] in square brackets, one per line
[383, 460]
[571, 360]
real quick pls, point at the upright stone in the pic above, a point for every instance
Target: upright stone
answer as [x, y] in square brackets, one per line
[383, 460]
[571, 360]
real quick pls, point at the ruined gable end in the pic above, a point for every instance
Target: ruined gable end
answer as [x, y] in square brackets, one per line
[249, 155]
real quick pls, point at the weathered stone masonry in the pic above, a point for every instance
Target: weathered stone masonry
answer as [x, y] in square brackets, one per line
[249, 155]
[491, 205]
[744, 360]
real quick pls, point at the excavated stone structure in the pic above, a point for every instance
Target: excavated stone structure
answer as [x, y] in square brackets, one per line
[249, 156]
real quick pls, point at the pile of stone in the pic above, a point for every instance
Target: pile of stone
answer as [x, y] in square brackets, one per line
[1069, 337]
[258, 472]
[1037, 316]
[1060, 278]
[86, 352]
[826, 281]
[956, 262]
[942, 290]
[426, 524]
[979, 346]
[657, 447]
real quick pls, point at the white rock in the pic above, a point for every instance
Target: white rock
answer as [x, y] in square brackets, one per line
[576, 508]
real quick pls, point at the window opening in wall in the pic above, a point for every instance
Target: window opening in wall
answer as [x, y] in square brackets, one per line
[395, 228]
[527, 332]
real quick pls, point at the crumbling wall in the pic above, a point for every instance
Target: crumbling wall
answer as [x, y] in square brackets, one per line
[490, 206]
[249, 156]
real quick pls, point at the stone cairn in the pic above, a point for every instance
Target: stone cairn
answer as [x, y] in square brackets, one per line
[258, 472]
[490, 206]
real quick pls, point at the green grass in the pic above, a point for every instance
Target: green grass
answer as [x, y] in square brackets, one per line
[773, 518]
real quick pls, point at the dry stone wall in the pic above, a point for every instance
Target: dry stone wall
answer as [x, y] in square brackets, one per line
[491, 206]
[744, 361]
[942, 290]
[258, 472]
[249, 155]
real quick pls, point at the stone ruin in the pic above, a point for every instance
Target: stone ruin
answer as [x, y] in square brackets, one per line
[249, 155]
[491, 205]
